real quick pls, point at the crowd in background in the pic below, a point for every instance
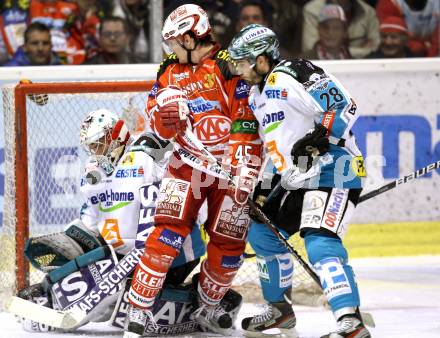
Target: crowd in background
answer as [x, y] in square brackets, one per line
[49, 32]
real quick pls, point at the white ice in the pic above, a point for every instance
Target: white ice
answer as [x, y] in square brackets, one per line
[403, 295]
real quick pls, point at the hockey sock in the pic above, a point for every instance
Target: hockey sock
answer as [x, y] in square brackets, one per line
[275, 274]
[329, 257]
[148, 279]
[274, 262]
[213, 285]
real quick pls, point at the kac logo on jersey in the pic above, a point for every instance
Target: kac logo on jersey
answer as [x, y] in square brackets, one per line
[200, 105]
[242, 90]
[212, 128]
[277, 93]
[131, 172]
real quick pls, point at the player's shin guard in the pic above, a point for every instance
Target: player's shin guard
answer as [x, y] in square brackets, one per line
[274, 262]
[148, 279]
[329, 257]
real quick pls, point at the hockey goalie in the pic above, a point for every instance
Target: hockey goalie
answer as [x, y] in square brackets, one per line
[121, 182]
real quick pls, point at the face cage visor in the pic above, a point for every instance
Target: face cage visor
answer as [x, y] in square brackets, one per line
[241, 66]
[169, 46]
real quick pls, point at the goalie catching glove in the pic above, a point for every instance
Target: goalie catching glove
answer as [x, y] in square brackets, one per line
[171, 110]
[315, 143]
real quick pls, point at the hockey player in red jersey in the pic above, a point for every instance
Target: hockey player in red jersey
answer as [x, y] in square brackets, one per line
[195, 90]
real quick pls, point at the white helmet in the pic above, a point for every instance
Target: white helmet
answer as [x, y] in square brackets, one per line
[103, 135]
[186, 18]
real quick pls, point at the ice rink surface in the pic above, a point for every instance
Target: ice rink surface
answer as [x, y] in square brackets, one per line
[403, 295]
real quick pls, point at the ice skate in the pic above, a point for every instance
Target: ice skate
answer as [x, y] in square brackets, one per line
[214, 318]
[349, 327]
[136, 322]
[278, 320]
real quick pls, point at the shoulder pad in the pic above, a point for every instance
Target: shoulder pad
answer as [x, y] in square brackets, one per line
[301, 70]
[152, 145]
[170, 59]
[223, 59]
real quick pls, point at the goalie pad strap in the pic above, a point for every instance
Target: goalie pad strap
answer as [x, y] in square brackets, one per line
[77, 263]
[86, 238]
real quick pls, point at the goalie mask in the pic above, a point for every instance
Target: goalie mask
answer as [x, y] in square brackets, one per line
[104, 136]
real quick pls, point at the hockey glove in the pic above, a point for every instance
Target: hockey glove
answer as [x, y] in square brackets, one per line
[245, 179]
[172, 109]
[305, 150]
[271, 205]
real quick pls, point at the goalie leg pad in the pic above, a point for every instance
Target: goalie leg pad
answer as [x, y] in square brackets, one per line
[79, 262]
[50, 251]
[329, 258]
[87, 238]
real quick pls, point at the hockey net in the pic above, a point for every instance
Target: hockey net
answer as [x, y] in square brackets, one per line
[43, 166]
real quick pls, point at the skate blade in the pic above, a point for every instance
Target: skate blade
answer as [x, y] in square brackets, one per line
[207, 325]
[272, 333]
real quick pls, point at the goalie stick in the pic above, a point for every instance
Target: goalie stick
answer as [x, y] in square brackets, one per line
[192, 139]
[77, 313]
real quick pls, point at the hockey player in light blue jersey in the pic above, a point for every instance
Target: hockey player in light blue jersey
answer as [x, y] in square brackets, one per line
[305, 118]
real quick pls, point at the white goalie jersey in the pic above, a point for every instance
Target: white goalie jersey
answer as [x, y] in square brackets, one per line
[121, 206]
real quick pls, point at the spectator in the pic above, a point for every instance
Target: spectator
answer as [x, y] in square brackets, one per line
[287, 23]
[257, 12]
[253, 11]
[136, 14]
[113, 43]
[363, 25]
[37, 48]
[13, 22]
[332, 30]
[54, 14]
[82, 28]
[422, 19]
[393, 39]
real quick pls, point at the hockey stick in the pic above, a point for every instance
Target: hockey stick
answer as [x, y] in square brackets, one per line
[77, 313]
[401, 180]
[192, 139]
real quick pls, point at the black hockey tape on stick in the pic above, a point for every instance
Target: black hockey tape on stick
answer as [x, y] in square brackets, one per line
[192, 139]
